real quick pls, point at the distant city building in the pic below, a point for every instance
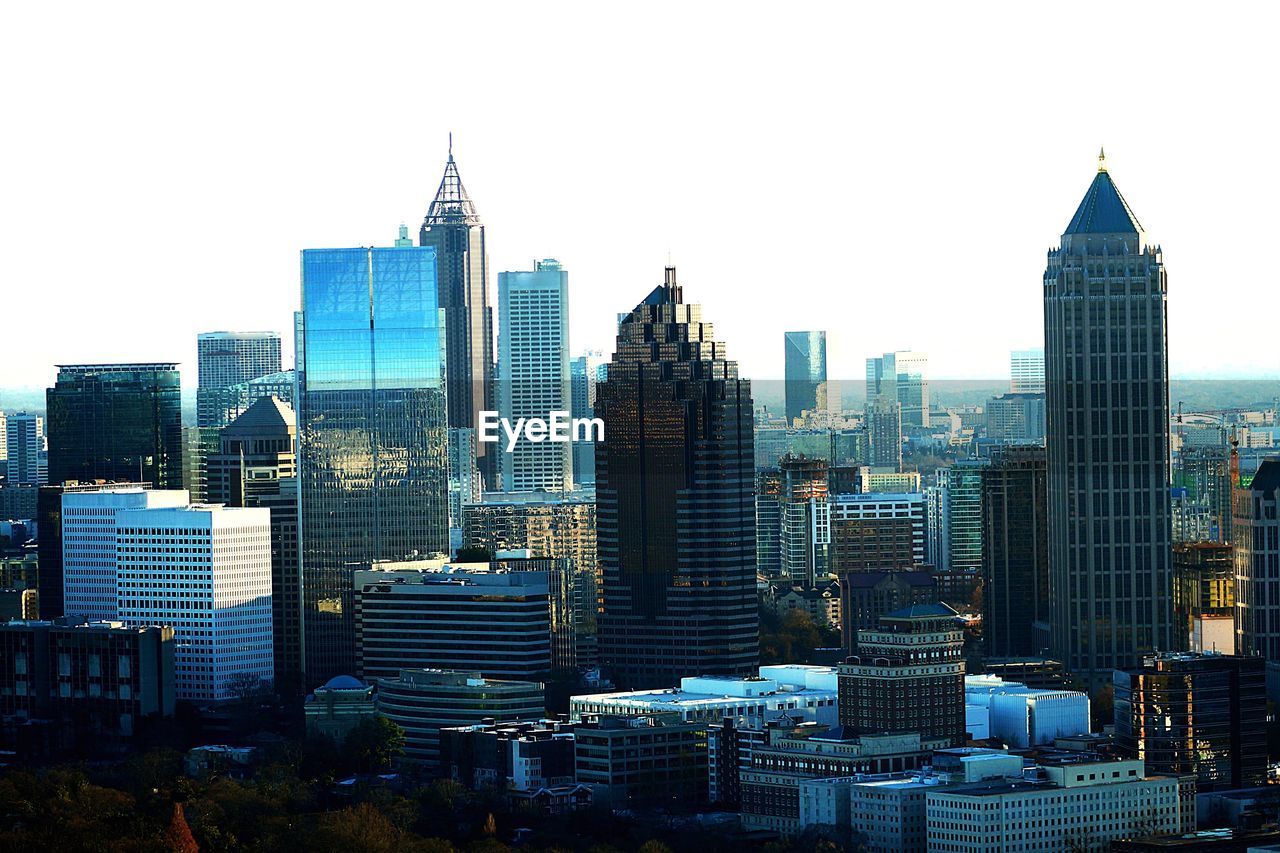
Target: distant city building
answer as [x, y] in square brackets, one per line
[769, 524]
[821, 603]
[585, 372]
[868, 479]
[937, 551]
[89, 552]
[1015, 559]
[226, 359]
[1204, 596]
[256, 466]
[1016, 418]
[206, 571]
[907, 676]
[494, 619]
[115, 423]
[373, 476]
[1024, 717]
[1203, 473]
[1199, 715]
[198, 444]
[901, 376]
[1107, 389]
[533, 373]
[338, 706]
[675, 500]
[884, 432]
[804, 535]
[100, 682]
[239, 397]
[519, 756]
[805, 368]
[424, 701]
[465, 482]
[1256, 531]
[452, 228]
[26, 460]
[1026, 371]
[674, 769]
[1045, 811]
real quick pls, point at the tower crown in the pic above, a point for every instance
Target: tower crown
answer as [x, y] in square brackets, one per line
[1103, 210]
[452, 205]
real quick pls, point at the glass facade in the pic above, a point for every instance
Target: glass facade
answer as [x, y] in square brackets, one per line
[372, 435]
[226, 359]
[675, 502]
[805, 366]
[116, 422]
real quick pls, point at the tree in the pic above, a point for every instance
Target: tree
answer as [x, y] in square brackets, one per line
[374, 743]
[1103, 705]
[474, 554]
[178, 836]
[362, 829]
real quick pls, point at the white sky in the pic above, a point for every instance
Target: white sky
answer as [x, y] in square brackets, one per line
[893, 173]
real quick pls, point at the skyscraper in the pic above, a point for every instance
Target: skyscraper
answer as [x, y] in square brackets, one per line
[901, 376]
[963, 485]
[453, 228]
[1015, 544]
[805, 369]
[675, 500]
[533, 373]
[372, 433]
[116, 422]
[226, 359]
[1257, 562]
[26, 460]
[804, 535]
[1026, 371]
[585, 372]
[1108, 439]
[884, 433]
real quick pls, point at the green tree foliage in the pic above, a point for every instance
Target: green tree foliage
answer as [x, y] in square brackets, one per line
[373, 744]
[792, 637]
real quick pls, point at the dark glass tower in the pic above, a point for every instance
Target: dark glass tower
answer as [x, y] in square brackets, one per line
[1107, 412]
[116, 422]
[805, 368]
[372, 440]
[1015, 544]
[674, 477]
[453, 228]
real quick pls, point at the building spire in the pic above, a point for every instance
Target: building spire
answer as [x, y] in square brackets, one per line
[1102, 158]
[451, 146]
[451, 204]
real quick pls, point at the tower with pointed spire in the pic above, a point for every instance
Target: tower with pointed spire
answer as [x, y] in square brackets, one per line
[1107, 431]
[453, 227]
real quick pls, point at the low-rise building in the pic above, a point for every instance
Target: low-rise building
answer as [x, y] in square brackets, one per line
[1022, 717]
[337, 707]
[521, 756]
[1065, 803]
[648, 759]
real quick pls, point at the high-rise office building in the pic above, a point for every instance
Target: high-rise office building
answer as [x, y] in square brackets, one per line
[1026, 371]
[533, 374]
[226, 359]
[1107, 387]
[907, 676]
[25, 459]
[1203, 473]
[1015, 559]
[373, 476]
[675, 500]
[963, 485]
[585, 372]
[805, 369]
[1204, 596]
[769, 524]
[198, 444]
[89, 548]
[1256, 528]
[116, 423]
[465, 485]
[805, 520]
[452, 227]
[256, 466]
[1016, 418]
[1195, 715]
[901, 376]
[206, 571]
[884, 432]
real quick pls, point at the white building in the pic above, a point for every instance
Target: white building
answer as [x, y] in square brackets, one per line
[804, 691]
[1026, 371]
[1064, 804]
[1022, 717]
[205, 571]
[533, 373]
[89, 542]
[26, 460]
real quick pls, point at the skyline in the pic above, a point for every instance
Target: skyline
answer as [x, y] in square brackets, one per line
[223, 178]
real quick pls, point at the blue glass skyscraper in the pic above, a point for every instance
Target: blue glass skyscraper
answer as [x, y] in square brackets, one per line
[805, 364]
[372, 434]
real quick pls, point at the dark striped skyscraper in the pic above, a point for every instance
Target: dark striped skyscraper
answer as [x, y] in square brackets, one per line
[1107, 386]
[372, 440]
[453, 228]
[674, 493]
